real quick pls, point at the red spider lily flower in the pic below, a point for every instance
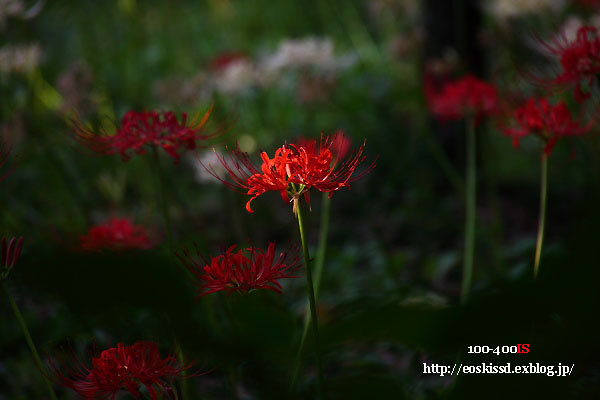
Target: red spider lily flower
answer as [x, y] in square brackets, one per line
[10, 252]
[147, 128]
[122, 368]
[317, 166]
[546, 121]
[579, 60]
[465, 97]
[116, 234]
[242, 270]
[340, 144]
[294, 170]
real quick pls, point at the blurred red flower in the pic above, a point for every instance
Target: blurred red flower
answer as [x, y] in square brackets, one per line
[139, 129]
[295, 169]
[340, 144]
[122, 368]
[465, 97]
[10, 252]
[116, 234]
[579, 60]
[242, 270]
[544, 120]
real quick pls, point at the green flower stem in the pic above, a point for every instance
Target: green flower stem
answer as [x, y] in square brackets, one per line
[28, 338]
[165, 213]
[542, 218]
[470, 190]
[320, 261]
[184, 385]
[311, 299]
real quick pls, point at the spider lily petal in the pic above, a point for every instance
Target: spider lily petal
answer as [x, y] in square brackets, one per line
[140, 129]
[241, 270]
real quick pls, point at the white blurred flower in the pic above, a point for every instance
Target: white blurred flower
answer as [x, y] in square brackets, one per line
[505, 9]
[233, 72]
[570, 27]
[300, 53]
[235, 77]
[309, 52]
[10, 8]
[16, 8]
[573, 23]
[19, 58]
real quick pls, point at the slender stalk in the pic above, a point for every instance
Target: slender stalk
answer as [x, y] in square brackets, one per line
[184, 385]
[29, 340]
[470, 190]
[165, 213]
[311, 299]
[542, 218]
[320, 259]
[319, 262]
